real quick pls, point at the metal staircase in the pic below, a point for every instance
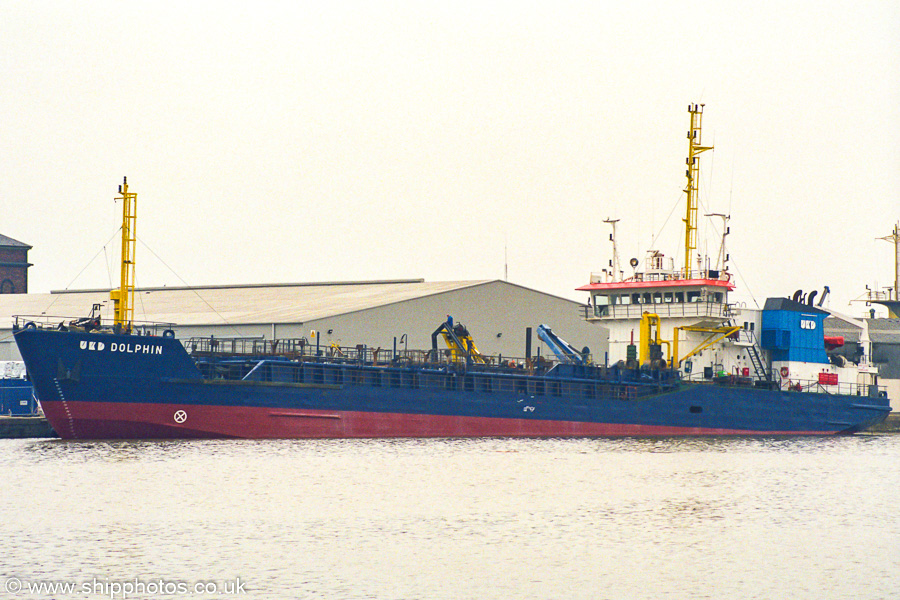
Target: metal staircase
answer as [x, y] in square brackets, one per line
[753, 352]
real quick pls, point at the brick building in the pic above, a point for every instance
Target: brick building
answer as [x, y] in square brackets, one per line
[13, 266]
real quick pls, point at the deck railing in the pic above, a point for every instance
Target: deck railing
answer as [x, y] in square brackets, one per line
[790, 385]
[663, 309]
[301, 349]
[663, 275]
[92, 324]
[530, 387]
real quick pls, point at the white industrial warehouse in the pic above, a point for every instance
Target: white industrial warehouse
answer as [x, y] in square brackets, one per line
[374, 313]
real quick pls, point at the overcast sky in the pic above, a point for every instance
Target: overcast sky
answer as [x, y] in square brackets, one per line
[325, 141]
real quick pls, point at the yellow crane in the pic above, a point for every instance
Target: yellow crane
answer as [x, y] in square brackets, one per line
[459, 341]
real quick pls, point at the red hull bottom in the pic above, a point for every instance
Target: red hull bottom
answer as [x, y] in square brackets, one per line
[110, 420]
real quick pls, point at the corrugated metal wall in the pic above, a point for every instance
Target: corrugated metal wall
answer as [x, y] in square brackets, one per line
[495, 313]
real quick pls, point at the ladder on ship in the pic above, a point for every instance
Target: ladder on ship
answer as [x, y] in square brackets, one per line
[762, 373]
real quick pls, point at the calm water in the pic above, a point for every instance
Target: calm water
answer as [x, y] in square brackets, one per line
[456, 519]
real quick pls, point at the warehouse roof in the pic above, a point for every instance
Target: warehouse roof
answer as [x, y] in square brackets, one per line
[9, 242]
[885, 331]
[238, 304]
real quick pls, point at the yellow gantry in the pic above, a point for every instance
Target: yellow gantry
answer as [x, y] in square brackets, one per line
[692, 190]
[123, 298]
[715, 334]
[650, 335]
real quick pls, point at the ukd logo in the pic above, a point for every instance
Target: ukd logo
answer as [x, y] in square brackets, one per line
[97, 346]
[807, 324]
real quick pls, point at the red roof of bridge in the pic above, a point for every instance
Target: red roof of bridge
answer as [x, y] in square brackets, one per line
[668, 283]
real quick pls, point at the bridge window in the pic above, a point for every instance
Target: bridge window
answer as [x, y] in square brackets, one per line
[625, 299]
[679, 297]
[668, 297]
[635, 298]
[657, 298]
[601, 305]
[693, 296]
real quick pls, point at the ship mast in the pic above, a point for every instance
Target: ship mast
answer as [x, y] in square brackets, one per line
[614, 263]
[123, 298]
[693, 179]
[895, 238]
[723, 257]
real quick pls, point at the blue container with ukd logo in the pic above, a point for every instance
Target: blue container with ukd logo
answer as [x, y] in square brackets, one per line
[793, 331]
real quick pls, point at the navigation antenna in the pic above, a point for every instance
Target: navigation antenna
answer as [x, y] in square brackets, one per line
[723, 257]
[505, 262]
[123, 298]
[693, 180]
[895, 238]
[614, 263]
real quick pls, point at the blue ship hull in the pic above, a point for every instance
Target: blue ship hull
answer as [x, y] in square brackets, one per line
[100, 386]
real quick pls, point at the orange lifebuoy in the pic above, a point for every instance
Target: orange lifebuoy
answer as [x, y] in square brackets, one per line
[785, 371]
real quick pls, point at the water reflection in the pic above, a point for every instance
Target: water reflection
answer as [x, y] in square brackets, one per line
[463, 518]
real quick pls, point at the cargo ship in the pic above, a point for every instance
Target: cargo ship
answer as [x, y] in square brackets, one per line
[125, 379]
[115, 385]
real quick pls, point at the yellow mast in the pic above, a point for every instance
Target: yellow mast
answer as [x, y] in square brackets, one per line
[123, 298]
[692, 190]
